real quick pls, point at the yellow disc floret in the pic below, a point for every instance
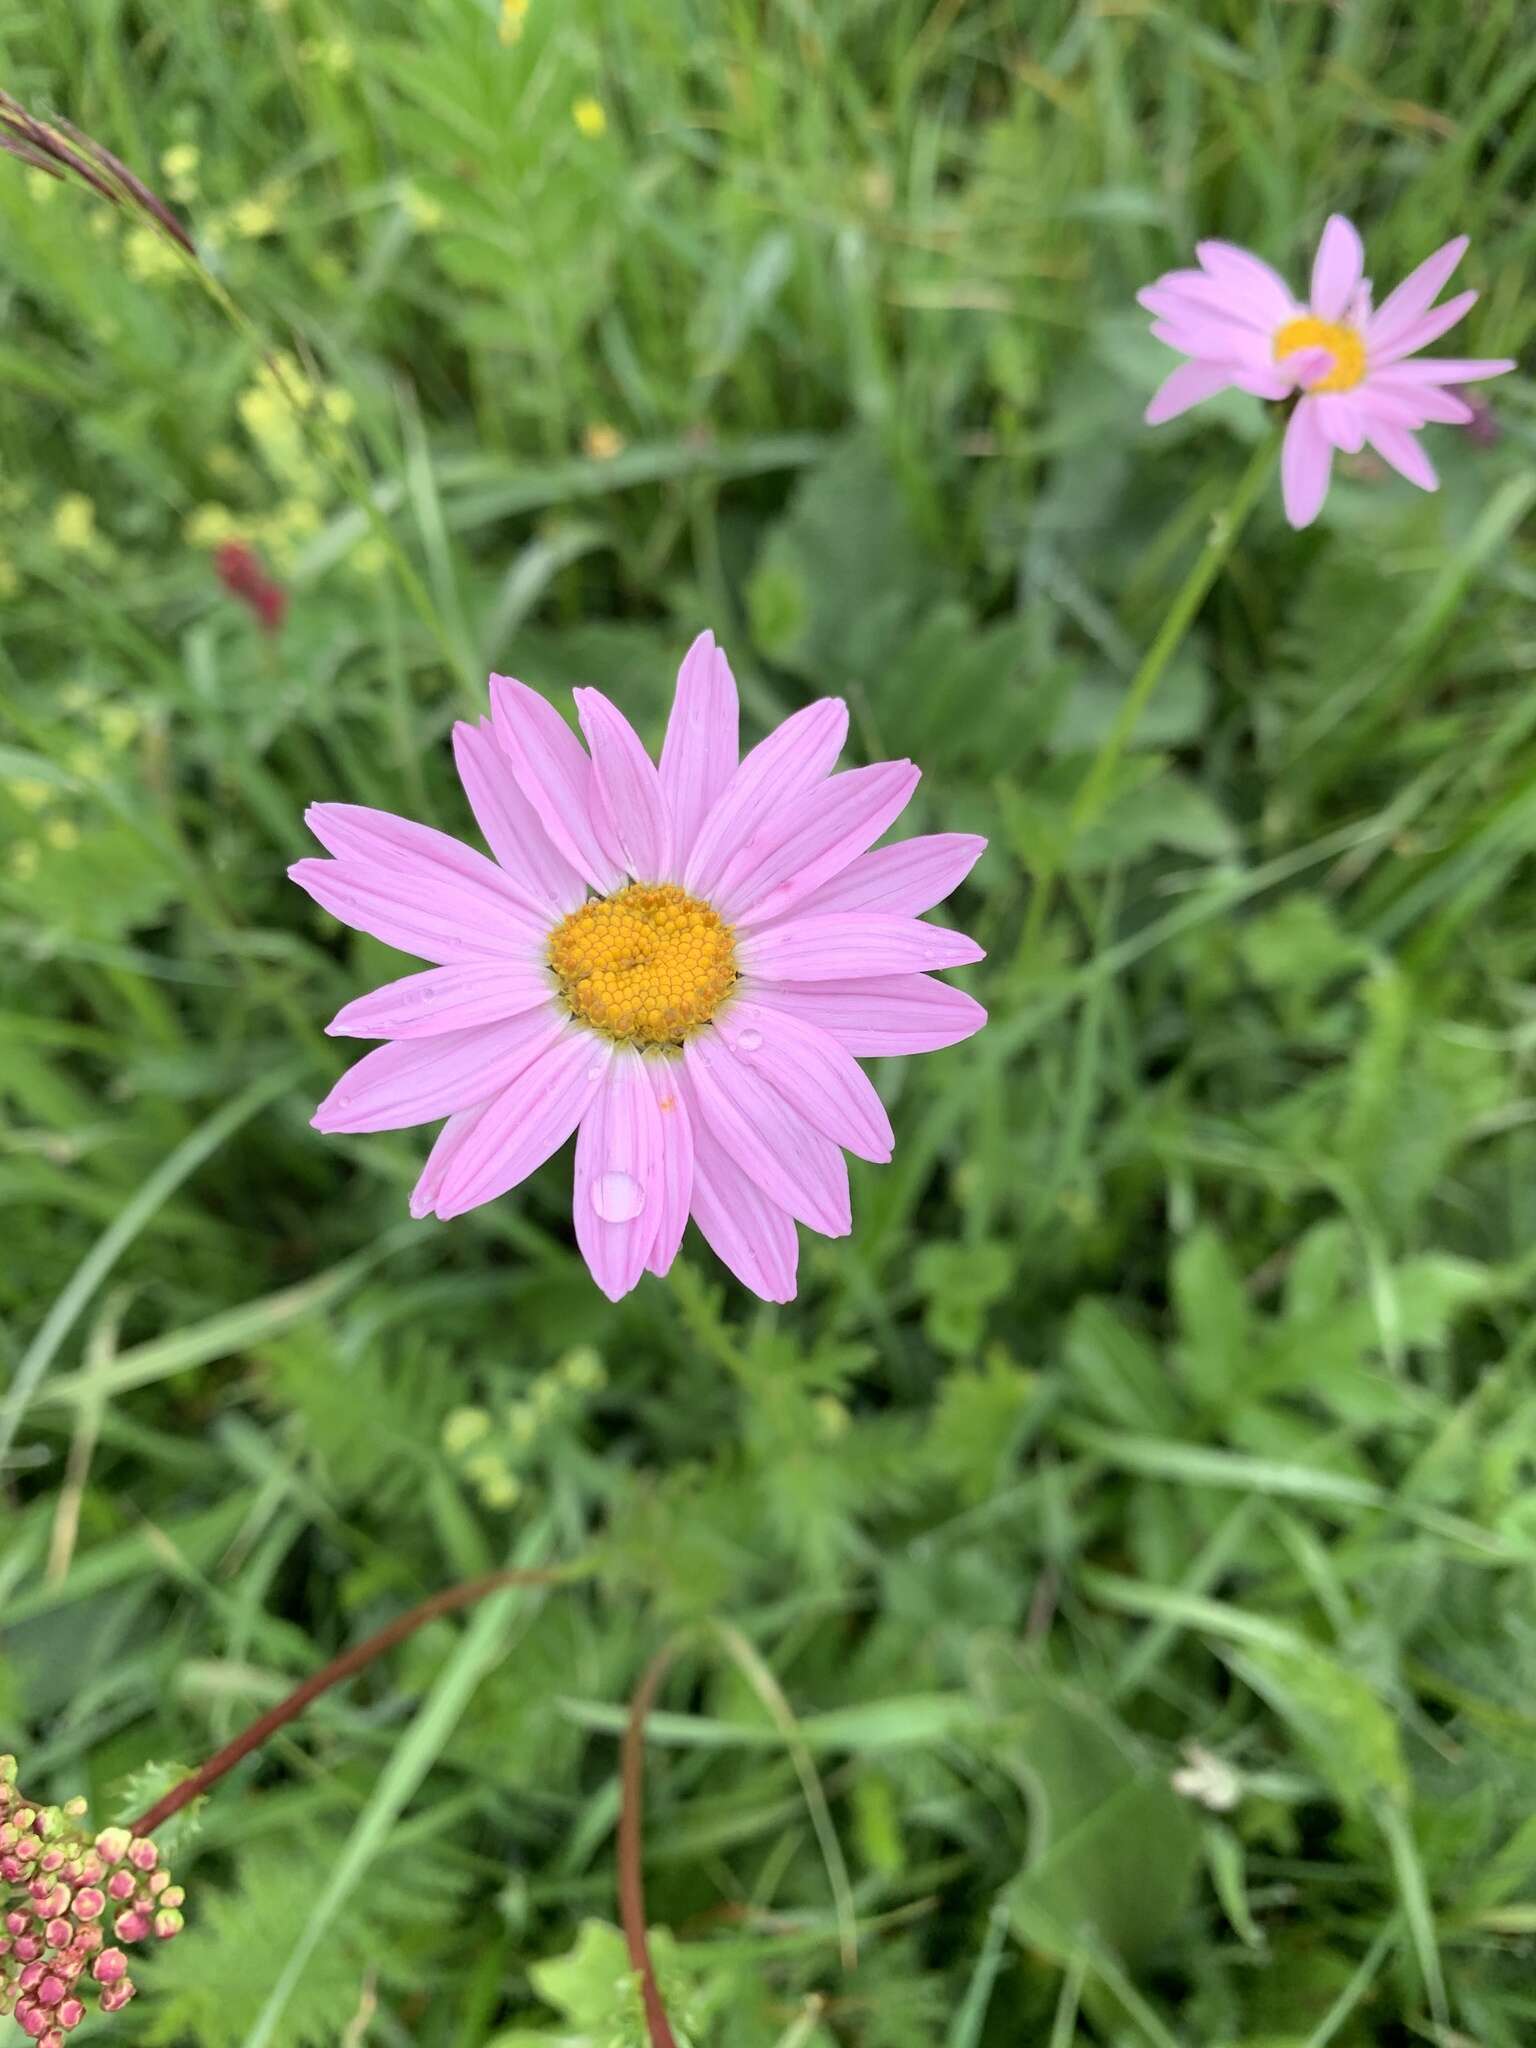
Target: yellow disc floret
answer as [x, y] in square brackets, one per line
[1342, 343]
[647, 966]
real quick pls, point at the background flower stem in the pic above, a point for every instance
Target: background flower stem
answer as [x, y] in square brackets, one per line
[347, 1665]
[1088, 804]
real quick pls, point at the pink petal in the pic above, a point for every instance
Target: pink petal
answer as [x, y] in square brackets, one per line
[1450, 369]
[1339, 416]
[1179, 291]
[674, 1180]
[628, 788]
[813, 1073]
[812, 839]
[1184, 387]
[445, 999]
[1397, 446]
[1306, 461]
[1305, 365]
[1415, 405]
[1267, 289]
[1420, 333]
[618, 1192]
[555, 775]
[747, 1232]
[526, 1122]
[450, 1142]
[1270, 383]
[795, 1166]
[698, 755]
[849, 943]
[400, 848]
[904, 880]
[445, 922]
[794, 758]
[1213, 339]
[417, 1080]
[882, 1019]
[1338, 268]
[1417, 292]
[511, 825]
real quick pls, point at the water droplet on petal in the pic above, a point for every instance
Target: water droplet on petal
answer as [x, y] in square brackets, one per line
[617, 1197]
[749, 1041]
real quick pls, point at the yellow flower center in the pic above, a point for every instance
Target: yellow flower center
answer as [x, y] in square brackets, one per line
[647, 966]
[1342, 343]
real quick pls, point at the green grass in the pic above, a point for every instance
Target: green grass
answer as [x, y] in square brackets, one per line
[1175, 1387]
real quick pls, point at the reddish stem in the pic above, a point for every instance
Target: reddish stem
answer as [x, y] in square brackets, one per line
[631, 1833]
[345, 1666]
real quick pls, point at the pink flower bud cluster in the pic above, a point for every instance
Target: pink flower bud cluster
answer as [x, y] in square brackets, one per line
[63, 1893]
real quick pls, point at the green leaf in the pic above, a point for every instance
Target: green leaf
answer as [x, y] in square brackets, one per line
[1352, 1738]
[1217, 1351]
[1115, 1849]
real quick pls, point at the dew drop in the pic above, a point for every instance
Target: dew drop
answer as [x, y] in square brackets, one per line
[749, 1041]
[617, 1197]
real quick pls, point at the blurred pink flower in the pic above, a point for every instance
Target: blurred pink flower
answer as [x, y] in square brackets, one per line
[239, 569]
[1356, 370]
[681, 963]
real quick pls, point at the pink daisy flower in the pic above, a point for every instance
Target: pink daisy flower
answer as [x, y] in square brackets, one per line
[681, 963]
[1356, 370]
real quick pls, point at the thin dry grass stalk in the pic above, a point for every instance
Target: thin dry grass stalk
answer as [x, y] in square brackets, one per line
[60, 149]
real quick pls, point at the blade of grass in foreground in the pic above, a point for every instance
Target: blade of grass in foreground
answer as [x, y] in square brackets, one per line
[188, 1156]
[483, 1641]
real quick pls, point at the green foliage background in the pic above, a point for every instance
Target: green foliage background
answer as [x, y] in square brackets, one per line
[1176, 1385]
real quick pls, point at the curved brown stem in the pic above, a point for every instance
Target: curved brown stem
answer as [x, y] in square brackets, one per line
[345, 1666]
[631, 1835]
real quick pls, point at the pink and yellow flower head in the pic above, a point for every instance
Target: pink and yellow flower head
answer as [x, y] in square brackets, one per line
[682, 962]
[1357, 371]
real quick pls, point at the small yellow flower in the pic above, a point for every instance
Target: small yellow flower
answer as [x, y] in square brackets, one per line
[421, 210]
[494, 1480]
[31, 794]
[119, 724]
[514, 19]
[602, 441]
[149, 256]
[23, 860]
[295, 519]
[253, 218]
[590, 117]
[209, 526]
[464, 1428]
[262, 409]
[74, 523]
[179, 164]
[89, 763]
[62, 833]
[370, 557]
[583, 1369]
[327, 53]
